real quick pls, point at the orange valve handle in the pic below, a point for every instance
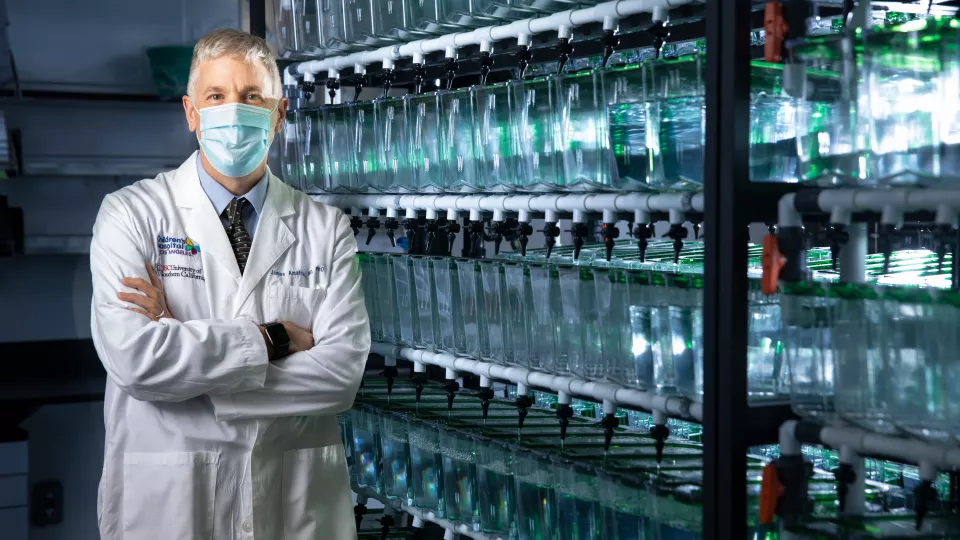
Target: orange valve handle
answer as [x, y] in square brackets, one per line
[770, 492]
[772, 261]
[775, 28]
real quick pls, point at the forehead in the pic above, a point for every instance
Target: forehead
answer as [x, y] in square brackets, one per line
[231, 72]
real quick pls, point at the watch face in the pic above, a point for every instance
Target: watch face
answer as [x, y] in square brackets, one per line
[278, 335]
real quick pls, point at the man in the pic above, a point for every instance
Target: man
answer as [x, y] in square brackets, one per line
[228, 313]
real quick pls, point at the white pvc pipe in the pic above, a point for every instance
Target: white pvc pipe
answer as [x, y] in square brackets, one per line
[875, 200]
[787, 215]
[853, 255]
[789, 445]
[842, 202]
[515, 30]
[939, 456]
[678, 203]
[563, 385]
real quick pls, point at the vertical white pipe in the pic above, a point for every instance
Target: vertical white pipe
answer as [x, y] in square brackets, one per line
[789, 445]
[853, 255]
[856, 500]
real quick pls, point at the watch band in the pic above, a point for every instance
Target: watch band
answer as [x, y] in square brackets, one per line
[279, 338]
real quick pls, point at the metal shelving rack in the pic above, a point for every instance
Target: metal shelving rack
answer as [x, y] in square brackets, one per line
[730, 202]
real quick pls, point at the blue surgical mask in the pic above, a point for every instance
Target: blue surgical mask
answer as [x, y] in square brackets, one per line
[235, 137]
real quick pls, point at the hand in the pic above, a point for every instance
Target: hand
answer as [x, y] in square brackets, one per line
[300, 339]
[152, 302]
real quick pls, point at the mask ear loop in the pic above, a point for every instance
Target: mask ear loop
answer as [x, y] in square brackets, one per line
[196, 110]
[279, 120]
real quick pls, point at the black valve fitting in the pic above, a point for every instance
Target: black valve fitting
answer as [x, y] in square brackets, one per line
[486, 62]
[391, 373]
[523, 403]
[524, 230]
[610, 422]
[923, 494]
[845, 476]
[610, 233]
[476, 239]
[564, 50]
[419, 74]
[485, 394]
[432, 228]
[452, 387]
[391, 226]
[579, 232]
[564, 413]
[386, 522]
[418, 381]
[523, 60]
[355, 223]
[643, 233]
[678, 233]
[660, 34]
[452, 67]
[372, 225]
[885, 234]
[506, 228]
[411, 227]
[388, 77]
[610, 42]
[794, 473]
[359, 511]
[660, 434]
[359, 81]
[333, 84]
[550, 234]
[453, 228]
[308, 88]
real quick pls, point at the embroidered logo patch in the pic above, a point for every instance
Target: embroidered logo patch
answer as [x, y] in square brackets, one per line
[169, 245]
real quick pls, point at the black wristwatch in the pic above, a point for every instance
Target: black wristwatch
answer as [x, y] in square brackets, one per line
[279, 338]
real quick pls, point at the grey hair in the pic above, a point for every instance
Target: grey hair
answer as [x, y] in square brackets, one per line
[229, 42]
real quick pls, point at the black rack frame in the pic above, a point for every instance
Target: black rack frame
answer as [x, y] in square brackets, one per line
[730, 424]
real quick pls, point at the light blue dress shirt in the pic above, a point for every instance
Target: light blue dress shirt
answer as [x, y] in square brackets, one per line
[220, 198]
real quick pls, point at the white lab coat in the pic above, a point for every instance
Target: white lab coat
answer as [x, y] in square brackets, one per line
[205, 438]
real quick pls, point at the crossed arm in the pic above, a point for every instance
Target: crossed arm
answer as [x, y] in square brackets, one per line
[161, 359]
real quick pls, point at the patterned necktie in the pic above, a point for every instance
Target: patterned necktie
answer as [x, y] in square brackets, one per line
[237, 232]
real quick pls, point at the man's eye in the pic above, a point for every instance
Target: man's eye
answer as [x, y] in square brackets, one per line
[215, 97]
[254, 97]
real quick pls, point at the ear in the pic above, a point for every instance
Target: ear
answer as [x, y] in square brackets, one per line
[281, 114]
[193, 121]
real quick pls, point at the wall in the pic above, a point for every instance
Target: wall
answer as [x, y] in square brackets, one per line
[66, 444]
[99, 45]
[74, 152]
[13, 489]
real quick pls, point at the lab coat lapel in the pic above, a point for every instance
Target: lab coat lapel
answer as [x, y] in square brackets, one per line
[202, 221]
[271, 240]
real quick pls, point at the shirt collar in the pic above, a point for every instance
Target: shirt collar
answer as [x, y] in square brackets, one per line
[220, 197]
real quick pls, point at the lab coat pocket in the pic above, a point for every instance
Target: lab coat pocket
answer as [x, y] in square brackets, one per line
[316, 494]
[170, 494]
[293, 304]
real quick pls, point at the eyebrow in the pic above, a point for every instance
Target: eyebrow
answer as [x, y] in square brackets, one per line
[220, 89]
